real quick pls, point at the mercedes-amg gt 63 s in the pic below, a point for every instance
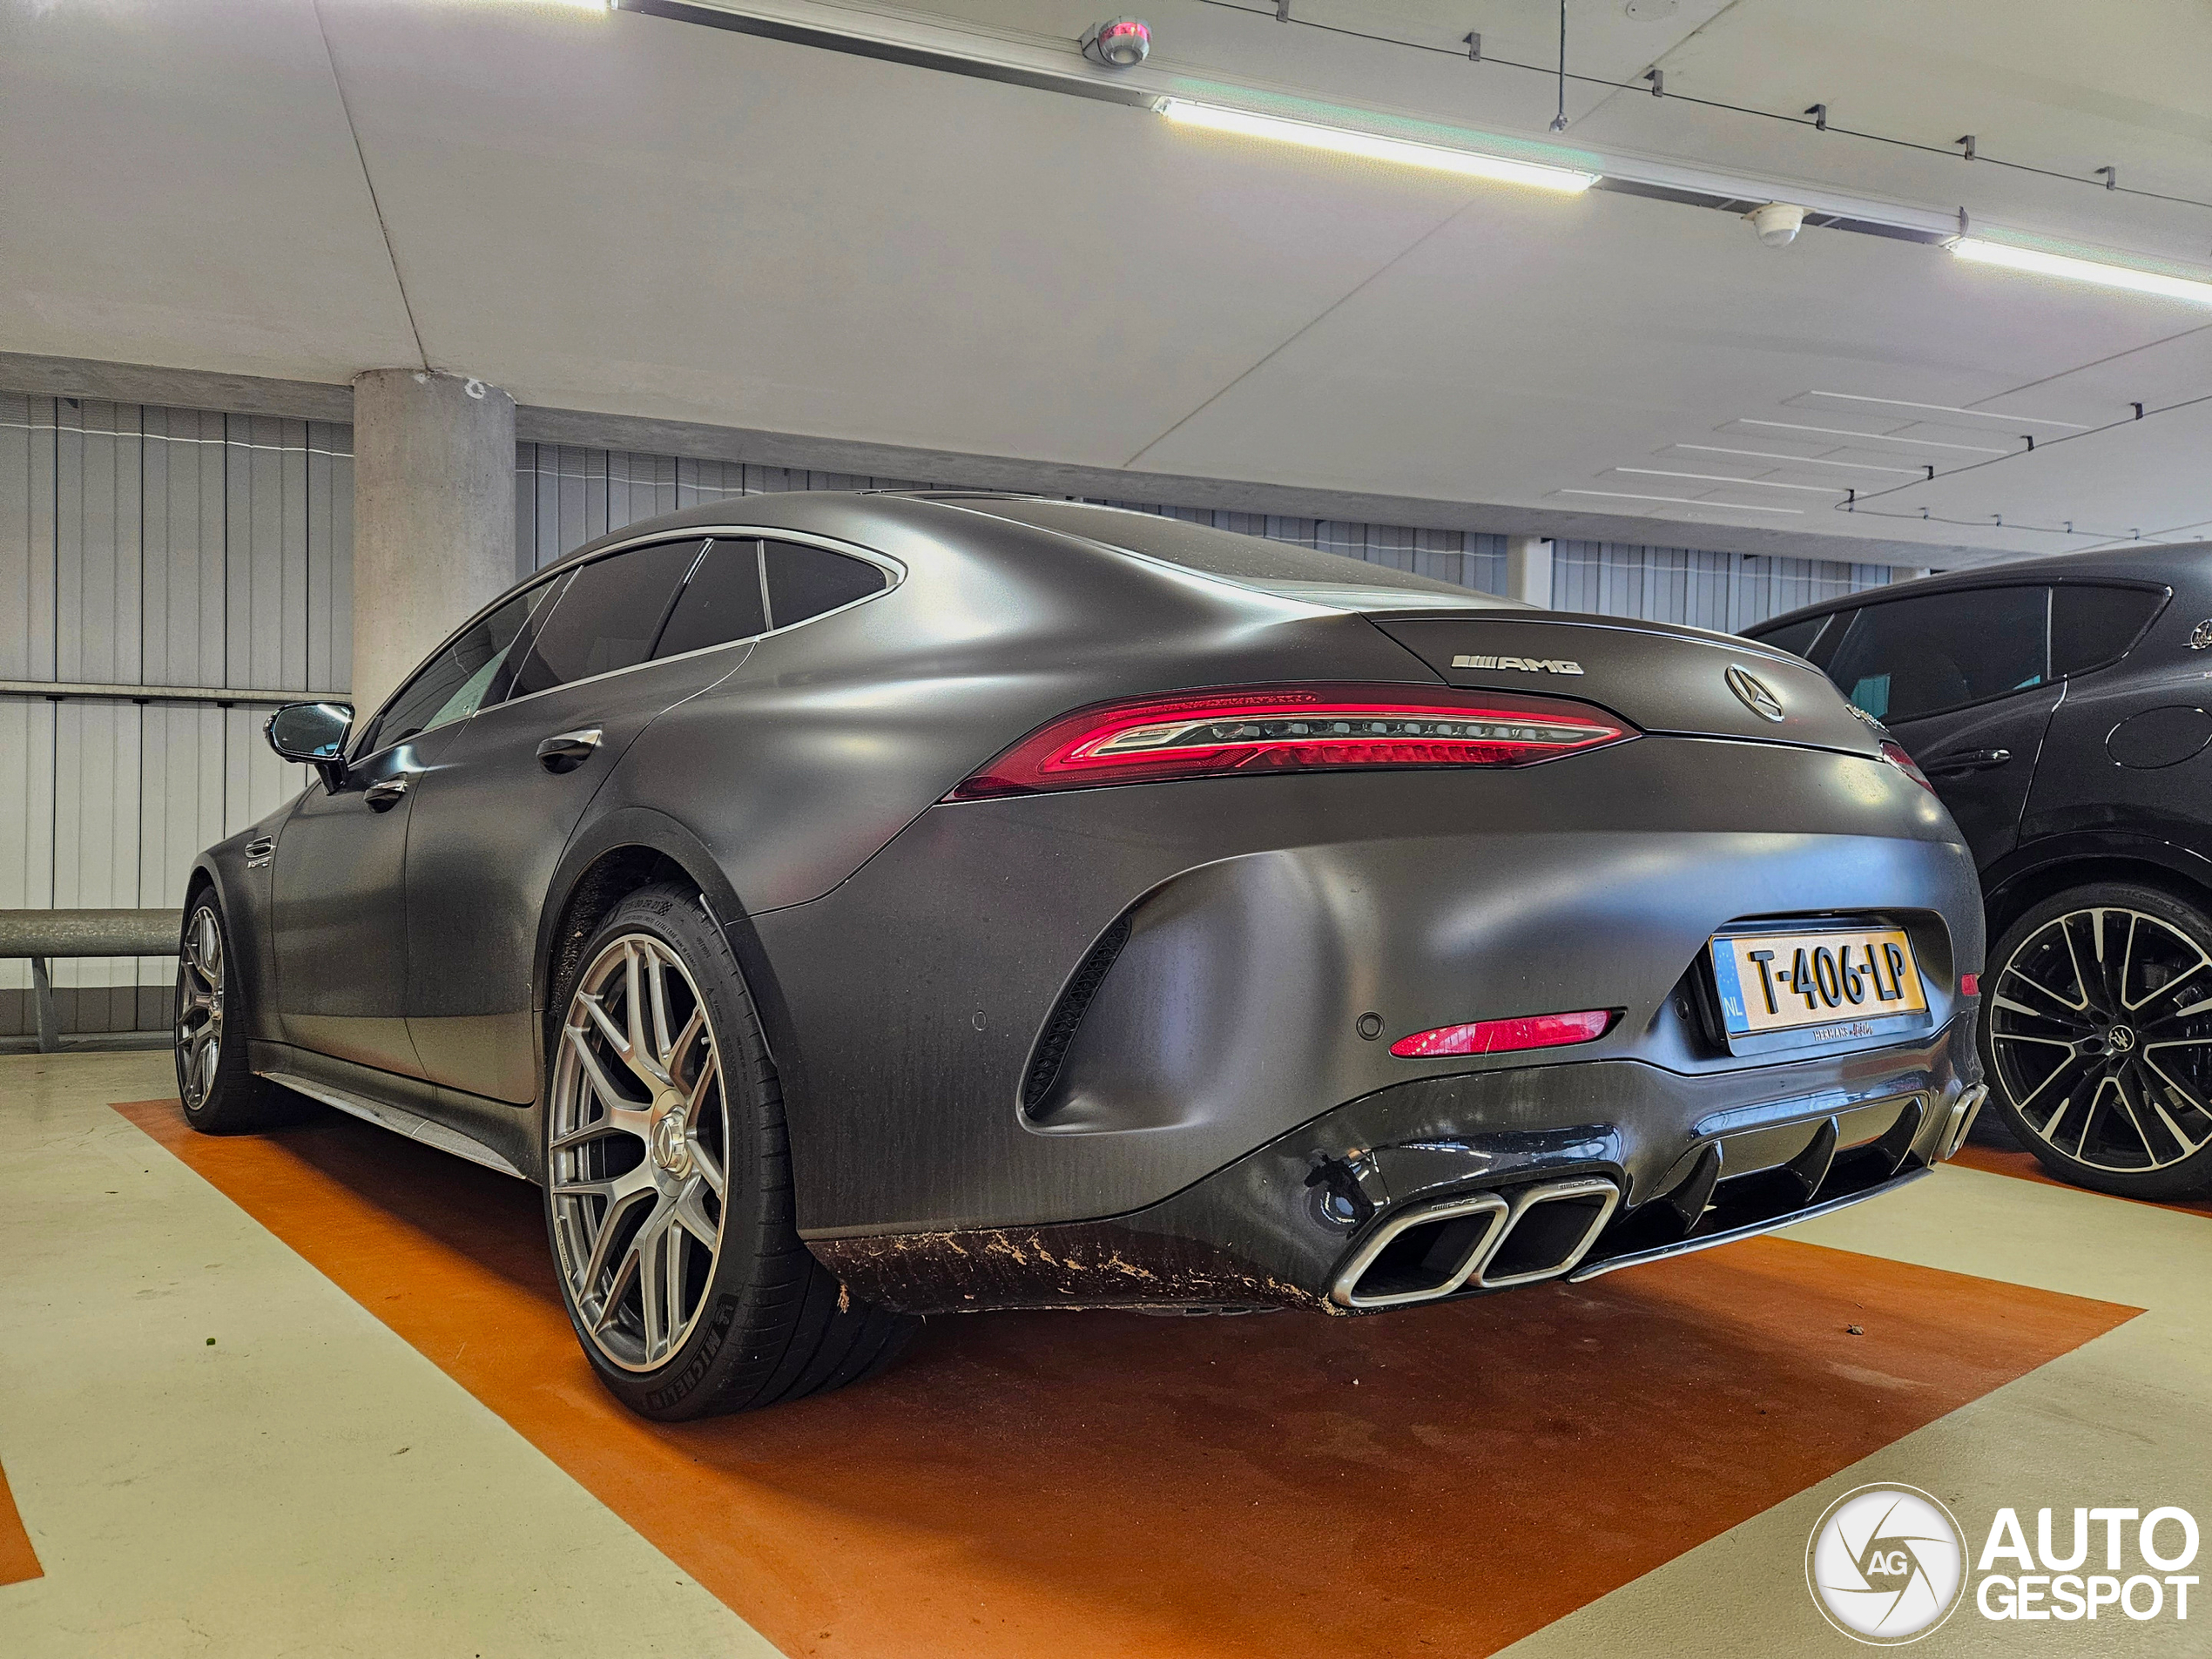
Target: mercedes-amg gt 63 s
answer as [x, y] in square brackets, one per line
[849, 907]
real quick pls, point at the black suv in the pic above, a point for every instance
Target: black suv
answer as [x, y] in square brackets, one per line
[2060, 708]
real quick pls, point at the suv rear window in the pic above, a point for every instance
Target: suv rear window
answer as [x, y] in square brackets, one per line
[2090, 626]
[1248, 561]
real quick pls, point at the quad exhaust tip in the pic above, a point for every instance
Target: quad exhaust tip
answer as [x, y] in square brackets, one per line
[1963, 1113]
[1489, 1240]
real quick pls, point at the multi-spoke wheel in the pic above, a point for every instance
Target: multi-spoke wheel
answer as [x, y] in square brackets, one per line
[221, 1093]
[638, 1136]
[2097, 1036]
[668, 1191]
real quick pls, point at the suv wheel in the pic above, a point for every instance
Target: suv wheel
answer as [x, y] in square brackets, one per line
[2097, 1038]
[668, 1185]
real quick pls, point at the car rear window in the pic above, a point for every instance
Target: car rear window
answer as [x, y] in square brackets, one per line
[2091, 626]
[1248, 561]
[608, 616]
[721, 601]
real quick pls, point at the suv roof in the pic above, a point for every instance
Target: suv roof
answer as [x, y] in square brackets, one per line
[2186, 569]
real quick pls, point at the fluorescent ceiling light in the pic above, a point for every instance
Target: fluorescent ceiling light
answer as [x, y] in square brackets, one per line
[1686, 500]
[1374, 147]
[1717, 478]
[2057, 265]
[1947, 409]
[1799, 461]
[1871, 437]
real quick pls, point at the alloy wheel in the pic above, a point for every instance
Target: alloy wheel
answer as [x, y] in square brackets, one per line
[2101, 1026]
[199, 1034]
[638, 1139]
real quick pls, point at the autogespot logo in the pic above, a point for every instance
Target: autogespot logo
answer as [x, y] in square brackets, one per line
[1885, 1565]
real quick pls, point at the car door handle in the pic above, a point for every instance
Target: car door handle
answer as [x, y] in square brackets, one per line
[569, 749]
[381, 797]
[1970, 760]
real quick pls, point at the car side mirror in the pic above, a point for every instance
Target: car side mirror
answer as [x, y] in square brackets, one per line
[313, 733]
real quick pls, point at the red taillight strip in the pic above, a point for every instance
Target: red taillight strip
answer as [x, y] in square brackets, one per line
[1894, 754]
[1290, 728]
[1503, 1037]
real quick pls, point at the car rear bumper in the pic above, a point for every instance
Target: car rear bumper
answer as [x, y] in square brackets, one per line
[1656, 1163]
[1211, 965]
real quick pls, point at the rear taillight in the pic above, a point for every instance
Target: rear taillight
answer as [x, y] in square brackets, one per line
[1290, 728]
[1503, 1037]
[1894, 754]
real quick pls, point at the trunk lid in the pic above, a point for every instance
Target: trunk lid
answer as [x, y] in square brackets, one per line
[1680, 681]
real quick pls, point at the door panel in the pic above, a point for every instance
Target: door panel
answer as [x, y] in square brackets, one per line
[1981, 760]
[491, 821]
[337, 911]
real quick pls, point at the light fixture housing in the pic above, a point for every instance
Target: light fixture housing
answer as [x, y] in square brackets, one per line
[1119, 42]
[2012, 258]
[1375, 147]
[1778, 223]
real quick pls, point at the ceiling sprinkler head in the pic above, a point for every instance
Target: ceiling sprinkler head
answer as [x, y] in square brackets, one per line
[1778, 223]
[1121, 42]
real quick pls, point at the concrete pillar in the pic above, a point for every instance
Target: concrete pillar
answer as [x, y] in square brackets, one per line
[434, 515]
[1528, 570]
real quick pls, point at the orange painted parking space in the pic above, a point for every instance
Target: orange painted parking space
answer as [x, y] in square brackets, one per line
[18, 1561]
[1108, 1484]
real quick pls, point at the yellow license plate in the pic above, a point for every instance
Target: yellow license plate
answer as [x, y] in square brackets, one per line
[1831, 986]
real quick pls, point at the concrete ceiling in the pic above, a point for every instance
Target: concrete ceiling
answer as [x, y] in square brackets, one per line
[646, 218]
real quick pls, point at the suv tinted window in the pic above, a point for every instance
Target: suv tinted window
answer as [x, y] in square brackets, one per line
[806, 581]
[453, 684]
[1798, 637]
[720, 603]
[2090, 625]
[1915, 657]
[608, 616]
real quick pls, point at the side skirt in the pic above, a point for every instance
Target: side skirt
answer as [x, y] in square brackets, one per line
[492, 1133]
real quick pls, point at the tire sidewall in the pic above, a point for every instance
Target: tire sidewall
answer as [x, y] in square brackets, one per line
[676, 921]
[232, 1098]
[2191, 1174]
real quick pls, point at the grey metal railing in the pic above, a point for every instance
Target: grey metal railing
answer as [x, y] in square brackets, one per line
[43, 935]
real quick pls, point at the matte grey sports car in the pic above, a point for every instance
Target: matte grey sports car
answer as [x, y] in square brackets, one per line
[856, 907]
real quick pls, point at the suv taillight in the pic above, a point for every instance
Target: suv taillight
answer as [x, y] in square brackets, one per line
[1290, 728]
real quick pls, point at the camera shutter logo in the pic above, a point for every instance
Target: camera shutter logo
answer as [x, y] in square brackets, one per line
[1885, 1565]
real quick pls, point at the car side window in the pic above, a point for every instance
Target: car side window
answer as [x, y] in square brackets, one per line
[1798, 637]
[1907, 658]
[805, 581]
[452, 684]
[2091, 626]
[722, 602]
[608, 616]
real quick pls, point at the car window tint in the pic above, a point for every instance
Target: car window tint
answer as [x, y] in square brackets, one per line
[1796, 638]
[2092, 625]
[608, 618]
[1915, 657]
[452, 684]
[806, 581]
[720, 603]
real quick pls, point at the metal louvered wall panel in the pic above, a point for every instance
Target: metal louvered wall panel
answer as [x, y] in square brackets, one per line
[189, 547]
[153, 547]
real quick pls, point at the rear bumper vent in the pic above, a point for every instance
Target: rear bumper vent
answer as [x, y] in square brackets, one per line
[1068, 1014]
[1487, 1240]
